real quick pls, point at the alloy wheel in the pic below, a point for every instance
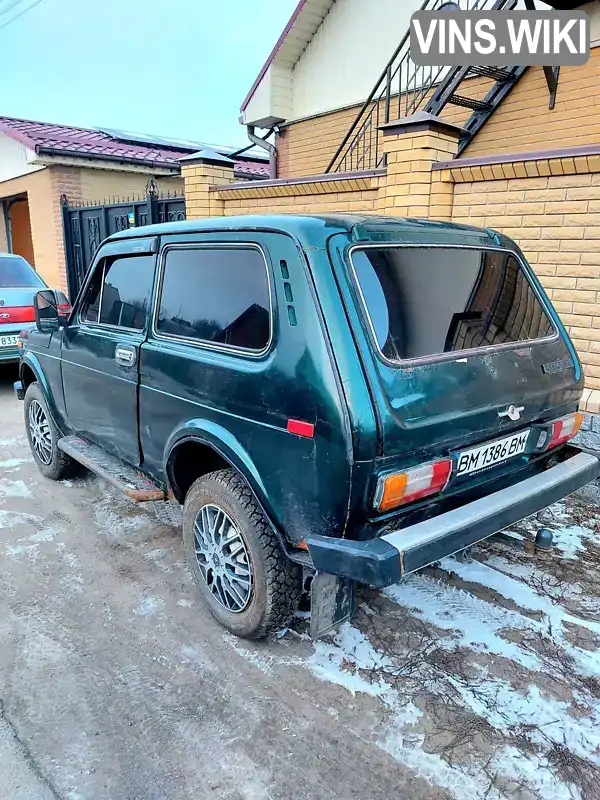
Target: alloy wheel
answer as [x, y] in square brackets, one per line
[39, 430]
[223, 558]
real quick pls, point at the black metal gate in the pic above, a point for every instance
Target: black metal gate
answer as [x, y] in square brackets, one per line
[86, 225]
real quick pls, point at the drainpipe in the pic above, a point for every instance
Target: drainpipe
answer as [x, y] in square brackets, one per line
[262, 142]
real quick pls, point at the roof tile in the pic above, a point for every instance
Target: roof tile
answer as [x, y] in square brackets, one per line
[66, 140]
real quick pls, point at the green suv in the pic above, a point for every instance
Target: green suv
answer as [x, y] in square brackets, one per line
[342, 395]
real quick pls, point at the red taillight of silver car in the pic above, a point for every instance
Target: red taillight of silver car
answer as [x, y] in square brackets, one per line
[11, 314]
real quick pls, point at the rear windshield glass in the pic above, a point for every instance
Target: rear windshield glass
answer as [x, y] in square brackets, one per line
[429, 301]
[16, 273]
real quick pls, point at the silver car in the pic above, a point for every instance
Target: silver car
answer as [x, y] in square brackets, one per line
[18, 284]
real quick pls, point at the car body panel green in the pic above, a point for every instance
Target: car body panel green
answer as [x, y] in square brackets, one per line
[320, 368]
[427, 410]
[253, 397]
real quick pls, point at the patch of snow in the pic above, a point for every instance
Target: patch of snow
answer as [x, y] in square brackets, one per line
[29, 550]
[66, 482]
[8, 519]
[570, 540]
[475, 624]
[350, 646]
[527, 598]
[263, 660]
[406, 748]
[116, 524]
[158, 553]
[45, 535]
[12, 441]
[250, 655]
[535, 771]
[14, 462]
[184, 603]
[530, 573]
[148, 606]
[10, 488]
[73, 583]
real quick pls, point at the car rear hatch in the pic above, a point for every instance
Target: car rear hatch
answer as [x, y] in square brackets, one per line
[459, 342]
[18, 285]
[16, 314]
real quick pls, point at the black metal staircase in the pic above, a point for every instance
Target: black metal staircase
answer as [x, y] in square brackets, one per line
[405, 88]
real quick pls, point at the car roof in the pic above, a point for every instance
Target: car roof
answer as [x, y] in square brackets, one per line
[13, 255]
[360, 227]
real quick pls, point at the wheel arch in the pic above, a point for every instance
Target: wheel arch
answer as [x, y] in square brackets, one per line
[212, 447]
[30, 371]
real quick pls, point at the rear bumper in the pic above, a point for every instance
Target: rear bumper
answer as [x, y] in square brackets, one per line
[386, 559]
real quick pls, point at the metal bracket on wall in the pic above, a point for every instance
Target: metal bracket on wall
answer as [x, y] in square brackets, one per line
[551, 74]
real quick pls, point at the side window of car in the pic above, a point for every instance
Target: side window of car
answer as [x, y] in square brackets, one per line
[218, 295]
[119, 294]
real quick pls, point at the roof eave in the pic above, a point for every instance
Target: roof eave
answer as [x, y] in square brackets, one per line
[273, 53]
[17, 136]
[147, 164]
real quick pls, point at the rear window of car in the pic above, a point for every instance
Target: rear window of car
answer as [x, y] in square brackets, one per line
[16, 273]
[424, 302]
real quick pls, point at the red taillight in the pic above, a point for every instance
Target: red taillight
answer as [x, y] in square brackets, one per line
[414, 484]
[564, 429]
[10, 314]
[64, 309]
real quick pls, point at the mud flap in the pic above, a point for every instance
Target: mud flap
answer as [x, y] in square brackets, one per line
[332, 601]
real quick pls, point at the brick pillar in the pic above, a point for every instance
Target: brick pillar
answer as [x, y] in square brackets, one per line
[200, 171]
[413, 188]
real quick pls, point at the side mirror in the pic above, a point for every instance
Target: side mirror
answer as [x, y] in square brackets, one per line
[47, 317]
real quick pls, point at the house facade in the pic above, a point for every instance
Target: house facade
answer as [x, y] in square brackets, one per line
[513, 149]
[41, 164]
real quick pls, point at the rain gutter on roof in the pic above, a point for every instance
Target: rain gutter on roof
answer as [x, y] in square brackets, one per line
[54, 151]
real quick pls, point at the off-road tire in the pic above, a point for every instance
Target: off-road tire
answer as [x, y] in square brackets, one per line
[276, 581]
[61, 466]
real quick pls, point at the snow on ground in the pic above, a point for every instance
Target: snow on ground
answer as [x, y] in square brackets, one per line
[482, 678]
[487, 674]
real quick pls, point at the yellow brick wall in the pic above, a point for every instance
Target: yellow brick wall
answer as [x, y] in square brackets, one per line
[43, 189]
[353, 201]
[199, 200]
[306, 146]
[524, 121]
[97, 184]
[556, 221]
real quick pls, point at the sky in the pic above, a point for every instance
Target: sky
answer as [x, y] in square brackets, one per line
[178, 68]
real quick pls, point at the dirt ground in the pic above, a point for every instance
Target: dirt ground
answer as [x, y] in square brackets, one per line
[476, 680]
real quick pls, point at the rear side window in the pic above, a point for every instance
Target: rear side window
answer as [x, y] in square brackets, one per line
[429, 301]
[218, 295]
[16, 273]
[119, 293]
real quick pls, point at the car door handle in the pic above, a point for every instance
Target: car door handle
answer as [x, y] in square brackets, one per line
[125, 355]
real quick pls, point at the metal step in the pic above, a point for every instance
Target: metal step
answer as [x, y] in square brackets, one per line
[469, 102]
[495, 73]
[128, 480]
